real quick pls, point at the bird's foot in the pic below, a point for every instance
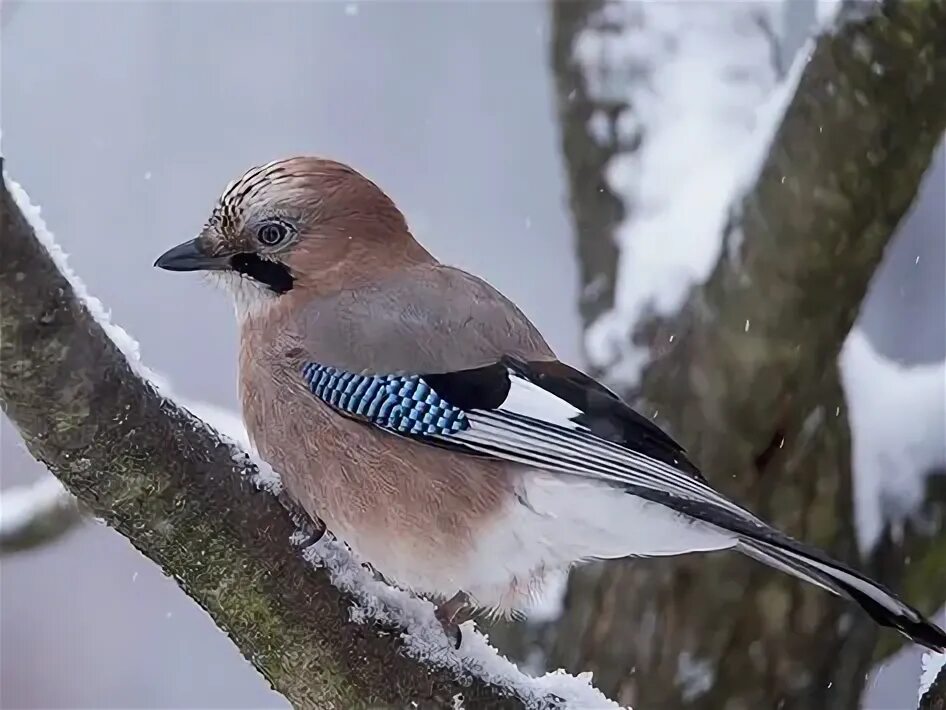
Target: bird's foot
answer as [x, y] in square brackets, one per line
[448, 614]
[312, 530]
[311, 533]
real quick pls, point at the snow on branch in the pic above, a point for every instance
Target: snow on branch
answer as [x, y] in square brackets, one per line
[194, 501]
[690, 80]
[932, 691]
[897, 416]
[33, 515]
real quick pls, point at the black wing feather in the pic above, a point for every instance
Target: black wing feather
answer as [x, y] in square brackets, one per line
[480, 388]
[604, 414]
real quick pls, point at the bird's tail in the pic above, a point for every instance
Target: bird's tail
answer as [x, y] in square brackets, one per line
[776, 549]
[817, 568]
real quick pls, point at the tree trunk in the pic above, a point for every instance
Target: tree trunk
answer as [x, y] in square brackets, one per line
[745, 375]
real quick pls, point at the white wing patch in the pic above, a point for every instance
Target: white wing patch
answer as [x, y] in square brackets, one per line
[536, 428]
[530, 400]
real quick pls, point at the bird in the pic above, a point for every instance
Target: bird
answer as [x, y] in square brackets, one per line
[418, 413]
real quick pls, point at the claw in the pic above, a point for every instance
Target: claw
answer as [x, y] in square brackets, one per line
[311, 534]
[447, 614]
[312, 529]
[453, 633]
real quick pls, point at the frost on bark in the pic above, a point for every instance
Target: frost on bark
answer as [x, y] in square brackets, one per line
[745, 371]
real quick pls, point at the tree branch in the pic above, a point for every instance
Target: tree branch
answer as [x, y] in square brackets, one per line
[186, 499]
[745, 375]
[35, 515]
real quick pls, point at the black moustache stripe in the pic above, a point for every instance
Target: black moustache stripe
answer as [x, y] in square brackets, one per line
[273, 275]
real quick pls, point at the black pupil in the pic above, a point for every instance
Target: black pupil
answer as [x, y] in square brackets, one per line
[270, 234]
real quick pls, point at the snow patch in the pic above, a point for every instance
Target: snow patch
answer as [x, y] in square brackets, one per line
[695, 676]
[694, 77]
[21, 505]
[768, 119]
[827, 12]
[423, 637]
[898, 429]
[932, 664]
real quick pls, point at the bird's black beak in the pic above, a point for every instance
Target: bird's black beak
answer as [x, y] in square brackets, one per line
[190, 256]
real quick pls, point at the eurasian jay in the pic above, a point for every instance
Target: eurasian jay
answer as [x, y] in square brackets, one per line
[420, 415]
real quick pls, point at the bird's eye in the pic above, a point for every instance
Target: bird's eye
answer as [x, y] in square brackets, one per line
[272, 233]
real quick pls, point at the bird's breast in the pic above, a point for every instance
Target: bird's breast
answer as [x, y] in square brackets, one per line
[405, 506]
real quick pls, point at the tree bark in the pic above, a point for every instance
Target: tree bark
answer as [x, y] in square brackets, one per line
[761, 408]
[186, 500]
[595, 210]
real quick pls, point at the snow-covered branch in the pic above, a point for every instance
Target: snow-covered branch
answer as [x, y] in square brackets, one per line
[35, 515]
[325, 635]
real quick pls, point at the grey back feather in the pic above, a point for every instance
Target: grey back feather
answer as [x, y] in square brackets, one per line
[428, 318]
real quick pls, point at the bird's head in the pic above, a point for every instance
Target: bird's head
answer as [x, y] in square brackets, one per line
[299, 223]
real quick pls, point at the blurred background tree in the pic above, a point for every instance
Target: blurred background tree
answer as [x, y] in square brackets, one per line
[724, 265]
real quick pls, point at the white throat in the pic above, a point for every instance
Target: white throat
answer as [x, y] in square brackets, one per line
[250, 298]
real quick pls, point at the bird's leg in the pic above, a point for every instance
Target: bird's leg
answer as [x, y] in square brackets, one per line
[447, 614]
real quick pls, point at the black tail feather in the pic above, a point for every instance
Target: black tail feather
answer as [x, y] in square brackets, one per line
[768, 545]
[881, 604]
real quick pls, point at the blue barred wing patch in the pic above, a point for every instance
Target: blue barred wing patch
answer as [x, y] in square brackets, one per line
[405, 404]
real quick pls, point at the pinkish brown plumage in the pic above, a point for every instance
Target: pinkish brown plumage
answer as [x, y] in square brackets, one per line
[420, 414]
[388, 504]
